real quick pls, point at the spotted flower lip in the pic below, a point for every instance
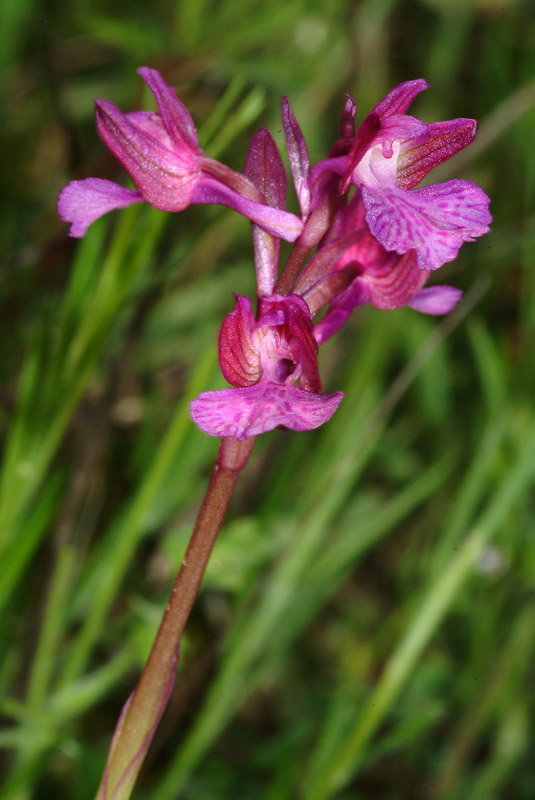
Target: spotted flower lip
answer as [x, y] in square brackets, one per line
[265, 358]
[388, 156]
[160, 152]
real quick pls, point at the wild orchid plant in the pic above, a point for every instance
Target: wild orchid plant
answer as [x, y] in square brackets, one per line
[365, 235]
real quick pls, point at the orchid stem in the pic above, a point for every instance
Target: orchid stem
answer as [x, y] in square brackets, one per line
[142, 712]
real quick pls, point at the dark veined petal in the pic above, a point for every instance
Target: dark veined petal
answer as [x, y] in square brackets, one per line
[445, 139]
[239, 357]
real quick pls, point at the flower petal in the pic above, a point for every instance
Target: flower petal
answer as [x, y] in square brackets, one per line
[247, 412]
[355, 295]
[298, 156]
[399, 99]
[82, 202]
[436, 300]
[166, 178]
[394, 280]
[445, 139]
[434, 220]
[279, 223]
[239, 357]
[175, 115]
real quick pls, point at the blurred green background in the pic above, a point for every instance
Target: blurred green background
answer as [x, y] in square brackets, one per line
[367, 619]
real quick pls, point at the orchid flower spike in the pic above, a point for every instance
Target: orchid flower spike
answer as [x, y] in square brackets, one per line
[161, 153]
[377, 247]
[388, 156]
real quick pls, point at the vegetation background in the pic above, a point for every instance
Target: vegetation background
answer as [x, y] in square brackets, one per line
[368, 613]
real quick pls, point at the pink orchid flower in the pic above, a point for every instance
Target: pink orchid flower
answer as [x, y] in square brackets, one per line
[387, 157]
[270, 359]
[161, 153]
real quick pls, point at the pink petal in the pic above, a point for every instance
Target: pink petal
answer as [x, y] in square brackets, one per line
[175, 115]
[166, 178]
[247, 412]
[151, 124]
[265, 170]
[399, 99]
[239, 357]
[436, 300]
[82, 202]
[434, 220]
[279, 223]
[355, 295]
[445, 139]
[298, 156]
[394, 280]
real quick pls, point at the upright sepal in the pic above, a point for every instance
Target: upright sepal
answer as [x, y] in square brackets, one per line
[298, 157]
[265, 170]
[400, 98]
[175, 115]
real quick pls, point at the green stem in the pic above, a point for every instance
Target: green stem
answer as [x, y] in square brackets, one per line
[143, 710]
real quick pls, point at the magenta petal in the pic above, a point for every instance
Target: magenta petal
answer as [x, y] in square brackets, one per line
[151, 124]
[355, 295]
[280, 223]
[239, 356]
[82, 202]
[298, 156]
[265, 170]
[175, 115]
[436, 300]
[166, 178]
[434, 220]
[399, 99]
[247, 412]
[445, 139]
[394, 280]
